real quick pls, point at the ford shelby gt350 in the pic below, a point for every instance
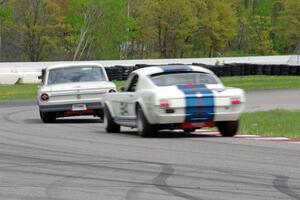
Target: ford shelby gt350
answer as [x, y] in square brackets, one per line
[174, 97]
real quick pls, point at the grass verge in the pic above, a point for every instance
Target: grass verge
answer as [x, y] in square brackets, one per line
[273, 123]
[19, 91]
[262, 82]
[8, 92]
[119, 84]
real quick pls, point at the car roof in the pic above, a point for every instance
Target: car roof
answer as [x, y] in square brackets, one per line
[73, 65]
[147, 71]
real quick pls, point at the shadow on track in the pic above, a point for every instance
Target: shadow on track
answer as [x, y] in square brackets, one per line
[77, 121]
[161, 183]
[64, 121]
[281, 184]
[171, 134]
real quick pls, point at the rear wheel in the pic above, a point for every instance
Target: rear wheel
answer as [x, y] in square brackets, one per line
[145, 129]
[228, 128]
[110, 125]
[48, 117]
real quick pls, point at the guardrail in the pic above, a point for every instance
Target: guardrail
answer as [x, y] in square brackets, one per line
[28, 72]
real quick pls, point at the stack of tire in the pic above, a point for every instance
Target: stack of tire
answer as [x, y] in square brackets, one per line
[232, 69]
[246, 69]
[126, 71]
[115, 72]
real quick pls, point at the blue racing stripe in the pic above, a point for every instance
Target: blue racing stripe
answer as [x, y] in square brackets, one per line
[198, 109]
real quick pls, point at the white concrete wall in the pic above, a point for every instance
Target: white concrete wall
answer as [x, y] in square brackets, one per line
[9, 78]
[27, 72]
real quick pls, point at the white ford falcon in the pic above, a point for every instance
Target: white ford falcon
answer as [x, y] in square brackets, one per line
[72, 90]
[174, 97]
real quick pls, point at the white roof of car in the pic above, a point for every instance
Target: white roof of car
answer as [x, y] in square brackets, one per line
[171, 68]
[74, 65]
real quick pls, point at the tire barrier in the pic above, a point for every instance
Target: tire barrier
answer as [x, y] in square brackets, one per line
[234, 69]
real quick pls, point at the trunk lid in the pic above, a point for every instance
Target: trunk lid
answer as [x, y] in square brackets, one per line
[78, 91]
[199, 102]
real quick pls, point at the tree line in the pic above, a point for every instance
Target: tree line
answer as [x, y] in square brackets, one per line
[47, 30]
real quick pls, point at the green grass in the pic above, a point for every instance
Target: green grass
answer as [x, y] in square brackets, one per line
[272, 123]
[262, 82]
[247, 82]
[119, 84]
[20, 91]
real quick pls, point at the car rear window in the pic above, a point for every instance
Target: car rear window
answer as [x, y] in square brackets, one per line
[183, 78]
[75, 74]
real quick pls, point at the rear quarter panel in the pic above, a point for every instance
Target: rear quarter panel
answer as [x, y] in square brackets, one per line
[224, 110]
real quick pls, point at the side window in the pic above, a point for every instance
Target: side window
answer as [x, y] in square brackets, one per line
[133, 84]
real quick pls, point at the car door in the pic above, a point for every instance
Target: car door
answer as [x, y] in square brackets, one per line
[126, 104]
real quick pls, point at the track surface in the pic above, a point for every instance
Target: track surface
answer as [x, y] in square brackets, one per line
[272, 99]
[75, 159]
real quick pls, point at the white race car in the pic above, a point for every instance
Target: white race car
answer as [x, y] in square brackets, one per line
[174, 97]
[71, 90]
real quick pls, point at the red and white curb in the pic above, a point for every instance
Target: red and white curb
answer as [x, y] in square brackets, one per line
[249, 137]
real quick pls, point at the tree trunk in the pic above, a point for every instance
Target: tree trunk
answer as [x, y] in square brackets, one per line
[211, 51]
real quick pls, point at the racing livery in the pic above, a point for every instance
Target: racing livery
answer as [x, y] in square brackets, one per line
[72, 90]
[174, 97]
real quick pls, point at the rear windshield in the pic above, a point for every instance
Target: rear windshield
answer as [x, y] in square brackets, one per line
[184, 78]
[75, 74]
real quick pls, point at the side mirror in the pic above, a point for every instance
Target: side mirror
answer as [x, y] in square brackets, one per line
[40, 77]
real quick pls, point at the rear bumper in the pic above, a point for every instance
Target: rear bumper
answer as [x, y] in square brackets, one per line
[158, 118]
[186, 125]
[68, 107]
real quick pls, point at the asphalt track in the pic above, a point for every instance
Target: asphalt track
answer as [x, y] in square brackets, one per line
[75, 159]
[272, 99]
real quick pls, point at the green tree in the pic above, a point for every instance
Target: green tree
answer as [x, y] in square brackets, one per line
[132, 45]
[166, 26]
[287, 28]
[121, 29]
[254, 26]
[38, 28]
[5, 13]
[217, 25]
[100, 28]
[260, 37]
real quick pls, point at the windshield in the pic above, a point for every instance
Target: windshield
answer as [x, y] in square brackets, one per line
[184, 78]
[76, 74]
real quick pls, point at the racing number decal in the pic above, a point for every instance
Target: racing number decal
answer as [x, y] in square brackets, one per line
[124, 108]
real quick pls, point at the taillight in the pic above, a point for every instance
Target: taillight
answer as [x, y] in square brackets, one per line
[44, 97]
[164, 104]
[235, 101]
[111, 91]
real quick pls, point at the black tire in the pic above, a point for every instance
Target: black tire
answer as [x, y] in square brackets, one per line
[145, 129]
[48, 117]
[228, 128]
[110, 125]
[189, 130]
